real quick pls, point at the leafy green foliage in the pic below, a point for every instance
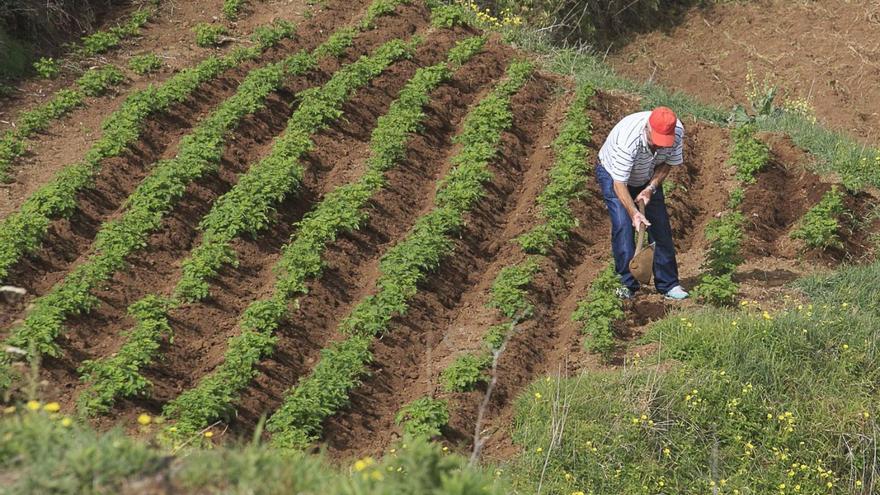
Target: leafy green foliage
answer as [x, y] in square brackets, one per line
[494, 338]
[749, 155]
[568, 178]
[718, 290]
[83, 461]
[599, 312]
[118, 375]
[465, 372]
[145, 64]
[47, 67]
[380, 8]
[423, 417]
[13, 143]
[725, 236]
[232, 8]
[103, 41]
[508, 294]
[96, 82]
[325, 390]
[820, 226]
[722, 257]
[736, 198]
[448, 16]
[268, 36]
[209, 34]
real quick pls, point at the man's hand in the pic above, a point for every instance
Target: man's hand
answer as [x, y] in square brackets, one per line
[645, 196]
[639, 220]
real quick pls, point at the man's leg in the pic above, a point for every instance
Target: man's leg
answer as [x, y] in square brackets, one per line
[665, 266]
[622, 240]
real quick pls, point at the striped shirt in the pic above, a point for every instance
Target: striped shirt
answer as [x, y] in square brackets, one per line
[626, 155]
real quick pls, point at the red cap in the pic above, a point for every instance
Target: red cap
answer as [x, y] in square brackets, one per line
[662, 122]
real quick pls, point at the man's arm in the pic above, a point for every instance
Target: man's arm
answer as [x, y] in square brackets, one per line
[660, 173]
[626, 199]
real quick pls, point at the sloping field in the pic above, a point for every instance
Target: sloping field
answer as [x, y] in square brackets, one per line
[314, 230]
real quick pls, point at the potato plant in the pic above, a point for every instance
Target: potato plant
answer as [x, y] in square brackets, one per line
[301, 258]
[423, 417]
[298, 421]
[820, 226]
[599, 312]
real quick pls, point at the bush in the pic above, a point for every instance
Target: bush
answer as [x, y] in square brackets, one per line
[424, 417]
[465, 372]
[145, 64]
[47, 67]
[209, 34]
[819, 227]
[232, 8]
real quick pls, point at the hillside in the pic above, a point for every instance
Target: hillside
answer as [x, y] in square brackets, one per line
[376, 220]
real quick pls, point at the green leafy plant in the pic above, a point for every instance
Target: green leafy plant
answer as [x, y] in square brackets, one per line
[508, 294]
[568, 178]
[448, 16]
[749, 155]
[47, 67]
[465, 372]
[96, 82]
[208, 35]
[423, 417]
[599, 311]
[725, 236]
[103, 41]
[232, 8]
[145, 64]
[820, 226]
[717, 290]
[736, 198]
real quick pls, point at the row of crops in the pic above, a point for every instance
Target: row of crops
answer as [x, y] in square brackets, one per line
[248, 209]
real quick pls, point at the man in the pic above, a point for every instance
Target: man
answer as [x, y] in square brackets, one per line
[637, 155]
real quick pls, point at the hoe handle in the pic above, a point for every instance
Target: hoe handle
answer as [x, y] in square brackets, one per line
[641, 240]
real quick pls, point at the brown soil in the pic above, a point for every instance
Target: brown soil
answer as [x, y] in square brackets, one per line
[449, 315]
[822, 50]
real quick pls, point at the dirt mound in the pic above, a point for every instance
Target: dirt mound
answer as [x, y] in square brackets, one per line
[824, 51]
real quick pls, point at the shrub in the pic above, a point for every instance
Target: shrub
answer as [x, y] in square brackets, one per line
[448, 16]
[47, 67]
[209, 34]
[145, 64]
[424, 417]
[465, 372]
[736, 198]
[819, 227]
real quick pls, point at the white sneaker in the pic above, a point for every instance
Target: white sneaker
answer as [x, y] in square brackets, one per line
[677, 293]
[624, 293]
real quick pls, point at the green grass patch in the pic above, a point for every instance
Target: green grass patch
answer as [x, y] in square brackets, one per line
[735, 400]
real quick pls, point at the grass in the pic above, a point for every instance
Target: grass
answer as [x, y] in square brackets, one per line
[83, 461]
[726, 404]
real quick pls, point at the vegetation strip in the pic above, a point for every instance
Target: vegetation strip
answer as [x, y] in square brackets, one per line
[22, 231]
[199, 153]
[13, 144]
[319, 395]
[341, 209]
[748, 156]
[245, 208]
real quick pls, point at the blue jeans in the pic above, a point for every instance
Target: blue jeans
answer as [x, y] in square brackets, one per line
[623, 235]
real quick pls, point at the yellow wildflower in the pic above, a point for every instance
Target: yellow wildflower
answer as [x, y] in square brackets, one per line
[66, 421]
[52, 407]
[144, 419]
[33, 405]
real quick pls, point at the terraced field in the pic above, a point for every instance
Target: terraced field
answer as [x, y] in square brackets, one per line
[315, 227]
